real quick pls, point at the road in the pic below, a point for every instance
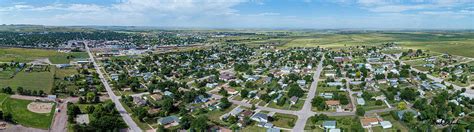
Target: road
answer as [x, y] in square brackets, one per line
[306, 112]
[469, 92]
[60, 119]
[125, 115]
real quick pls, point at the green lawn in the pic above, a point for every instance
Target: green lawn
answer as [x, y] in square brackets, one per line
[6, 74]
[31, 80]
[343, 122]
[284, 120]
[28, 55]
[253, 128]
[21, 115]
[396, 125]
[3, 98]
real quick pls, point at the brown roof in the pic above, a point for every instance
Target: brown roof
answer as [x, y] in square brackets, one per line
[332, 102]
[156, 97]
[367, 121]
[247, 113]
[231, 90]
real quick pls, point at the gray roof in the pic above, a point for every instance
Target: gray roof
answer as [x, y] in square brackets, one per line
[294, 99]
[273, 130]
[168, 120]
[260, 115]
[329, 123]
[236, 111]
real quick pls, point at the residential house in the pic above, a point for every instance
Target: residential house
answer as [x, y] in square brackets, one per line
[173, 120]
[156, 97]
[293, 100]
[201, 99]
[231, 90]
[211, 85]
[402, 112]
[329, 124]
[139, 101]
[332, 103]
[273, 130]
[301, 83]
[236, 111]
[326, 95]
[260, 117]
[368, 122]
[333, 84]
[265, 125]
[360, 101]
[226, 76]
[168, 93]
[386, 124]
[82, 119]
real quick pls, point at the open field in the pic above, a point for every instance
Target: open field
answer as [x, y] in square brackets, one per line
[452, 43]
[284, 120]
[28, 55]
[31, 80]
[3, 98]
[21, 115]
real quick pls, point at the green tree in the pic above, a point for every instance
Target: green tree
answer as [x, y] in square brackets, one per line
[199, 124]
[360, 111]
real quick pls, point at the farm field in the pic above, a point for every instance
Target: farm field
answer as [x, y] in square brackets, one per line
[28, 55]
[21, 115]
[452, 43]
[31, 81]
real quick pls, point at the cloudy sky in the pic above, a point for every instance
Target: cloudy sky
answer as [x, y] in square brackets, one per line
[322, 14]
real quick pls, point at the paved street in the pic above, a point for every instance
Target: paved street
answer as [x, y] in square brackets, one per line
[125, 115]
[306, 111]
[60, 119]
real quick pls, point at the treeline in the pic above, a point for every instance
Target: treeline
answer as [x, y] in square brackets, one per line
[103, 117]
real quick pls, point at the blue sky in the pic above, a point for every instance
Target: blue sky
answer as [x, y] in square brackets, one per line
[319, 14]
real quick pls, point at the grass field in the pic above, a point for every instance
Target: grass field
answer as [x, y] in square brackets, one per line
[3, 98]
[21, 115]
[284, 120]
[28, 55]
[31, 80]
[452, 43]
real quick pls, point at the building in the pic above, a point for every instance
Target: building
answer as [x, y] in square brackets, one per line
[369, 122]
[273, 130]
[386, 124]
[360, 101]
[326, 95]
[301, 83]
[82, 119]
[139, 101]
[236, 111]
[333, 84]
[260, 117]
[293, 100]
[329, 124]
[169, 120]
[402, 112]
[332, 103]
[265, 124]
[156, 97]
[231, 90]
